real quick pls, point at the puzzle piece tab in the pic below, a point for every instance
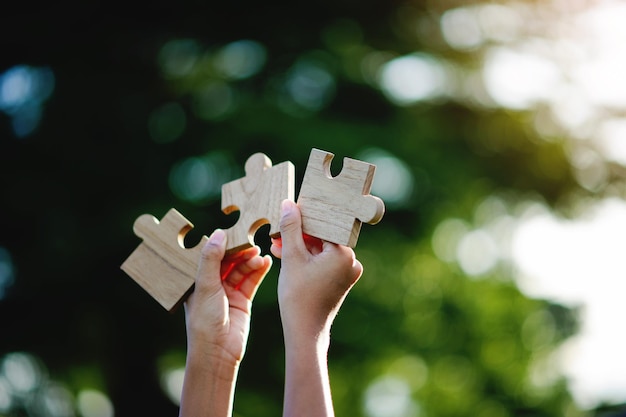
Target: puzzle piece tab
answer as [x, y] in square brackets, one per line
[257, 196]
[334, 208]
[161, 264]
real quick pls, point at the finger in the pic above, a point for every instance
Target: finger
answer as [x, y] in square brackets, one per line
[241, 269]
[231, 261]
[291, 229]
[277, 247]
[350, 256]
[347, 257]
[212, 253]
[314, 245]
[357, 268]
[251, 283]
[244, 254]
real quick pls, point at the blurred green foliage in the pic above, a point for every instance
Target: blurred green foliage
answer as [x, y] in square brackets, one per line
[157, 108]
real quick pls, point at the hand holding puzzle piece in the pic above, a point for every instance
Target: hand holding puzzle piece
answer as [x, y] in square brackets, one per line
[333, 209]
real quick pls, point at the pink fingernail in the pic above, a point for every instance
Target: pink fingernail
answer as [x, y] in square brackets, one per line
[218, 236]
[286, 206]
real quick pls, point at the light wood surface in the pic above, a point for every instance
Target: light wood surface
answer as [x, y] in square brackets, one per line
[333, 208]
[161, 264]
[257, 197]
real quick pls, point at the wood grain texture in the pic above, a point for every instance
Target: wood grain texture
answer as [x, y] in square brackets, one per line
[257, 197]
[161, 264]
[333, 209]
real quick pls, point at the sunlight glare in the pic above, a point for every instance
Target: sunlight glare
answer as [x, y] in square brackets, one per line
[22, 371]
[477, 248]
[519, 79]
[499, 22]
[446, 237]
[6, 401]
[389, 396]
[199, 179]
[477, 252]
[240, 59]
[572, 109]
[565, 62]
[589, 168]
[393, 181]
[538, 330]
[53, 400]
[612, 140]
[412, 78]
[310, 84]
[601, 73]
[461, 28]
[23, 90]
[467, 28]
[93, 403]
[593, 358]
[172, 384]
[371, 65]
[580, 263]
[412, 369]
[16, 87]
[27, 389]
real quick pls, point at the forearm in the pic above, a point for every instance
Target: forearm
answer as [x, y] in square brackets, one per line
[307, 385]
[208, 387]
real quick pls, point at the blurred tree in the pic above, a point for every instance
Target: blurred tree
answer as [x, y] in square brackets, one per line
[156, 107]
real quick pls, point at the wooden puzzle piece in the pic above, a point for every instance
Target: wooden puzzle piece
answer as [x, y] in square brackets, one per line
[161, 264]
[257, 196]
[334, 208]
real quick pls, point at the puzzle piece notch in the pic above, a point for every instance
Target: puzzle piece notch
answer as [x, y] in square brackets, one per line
[333, 208]
[161, 264]
[257, 197]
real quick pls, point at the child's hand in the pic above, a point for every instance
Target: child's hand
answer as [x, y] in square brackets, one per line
[315, 277]
[218, 311]
[217, 315]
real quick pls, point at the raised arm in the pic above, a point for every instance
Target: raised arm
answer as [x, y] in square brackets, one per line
[314, 279]
[217, 316]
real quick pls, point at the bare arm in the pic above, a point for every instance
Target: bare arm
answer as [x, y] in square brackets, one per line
[314, 280]
[217, 316]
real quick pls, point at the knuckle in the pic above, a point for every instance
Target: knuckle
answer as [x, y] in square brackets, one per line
[288, 222]
[210, 251]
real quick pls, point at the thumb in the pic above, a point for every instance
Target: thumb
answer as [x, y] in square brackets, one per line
[291, 228]
[208, 278]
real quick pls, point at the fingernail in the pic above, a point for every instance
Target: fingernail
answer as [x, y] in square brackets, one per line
[286, 207]
[217, 236]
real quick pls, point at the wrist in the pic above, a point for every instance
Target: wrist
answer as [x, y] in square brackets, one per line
[214, 360]
[300, 337]
[305, 325]
[209, 384]
[306, 365]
